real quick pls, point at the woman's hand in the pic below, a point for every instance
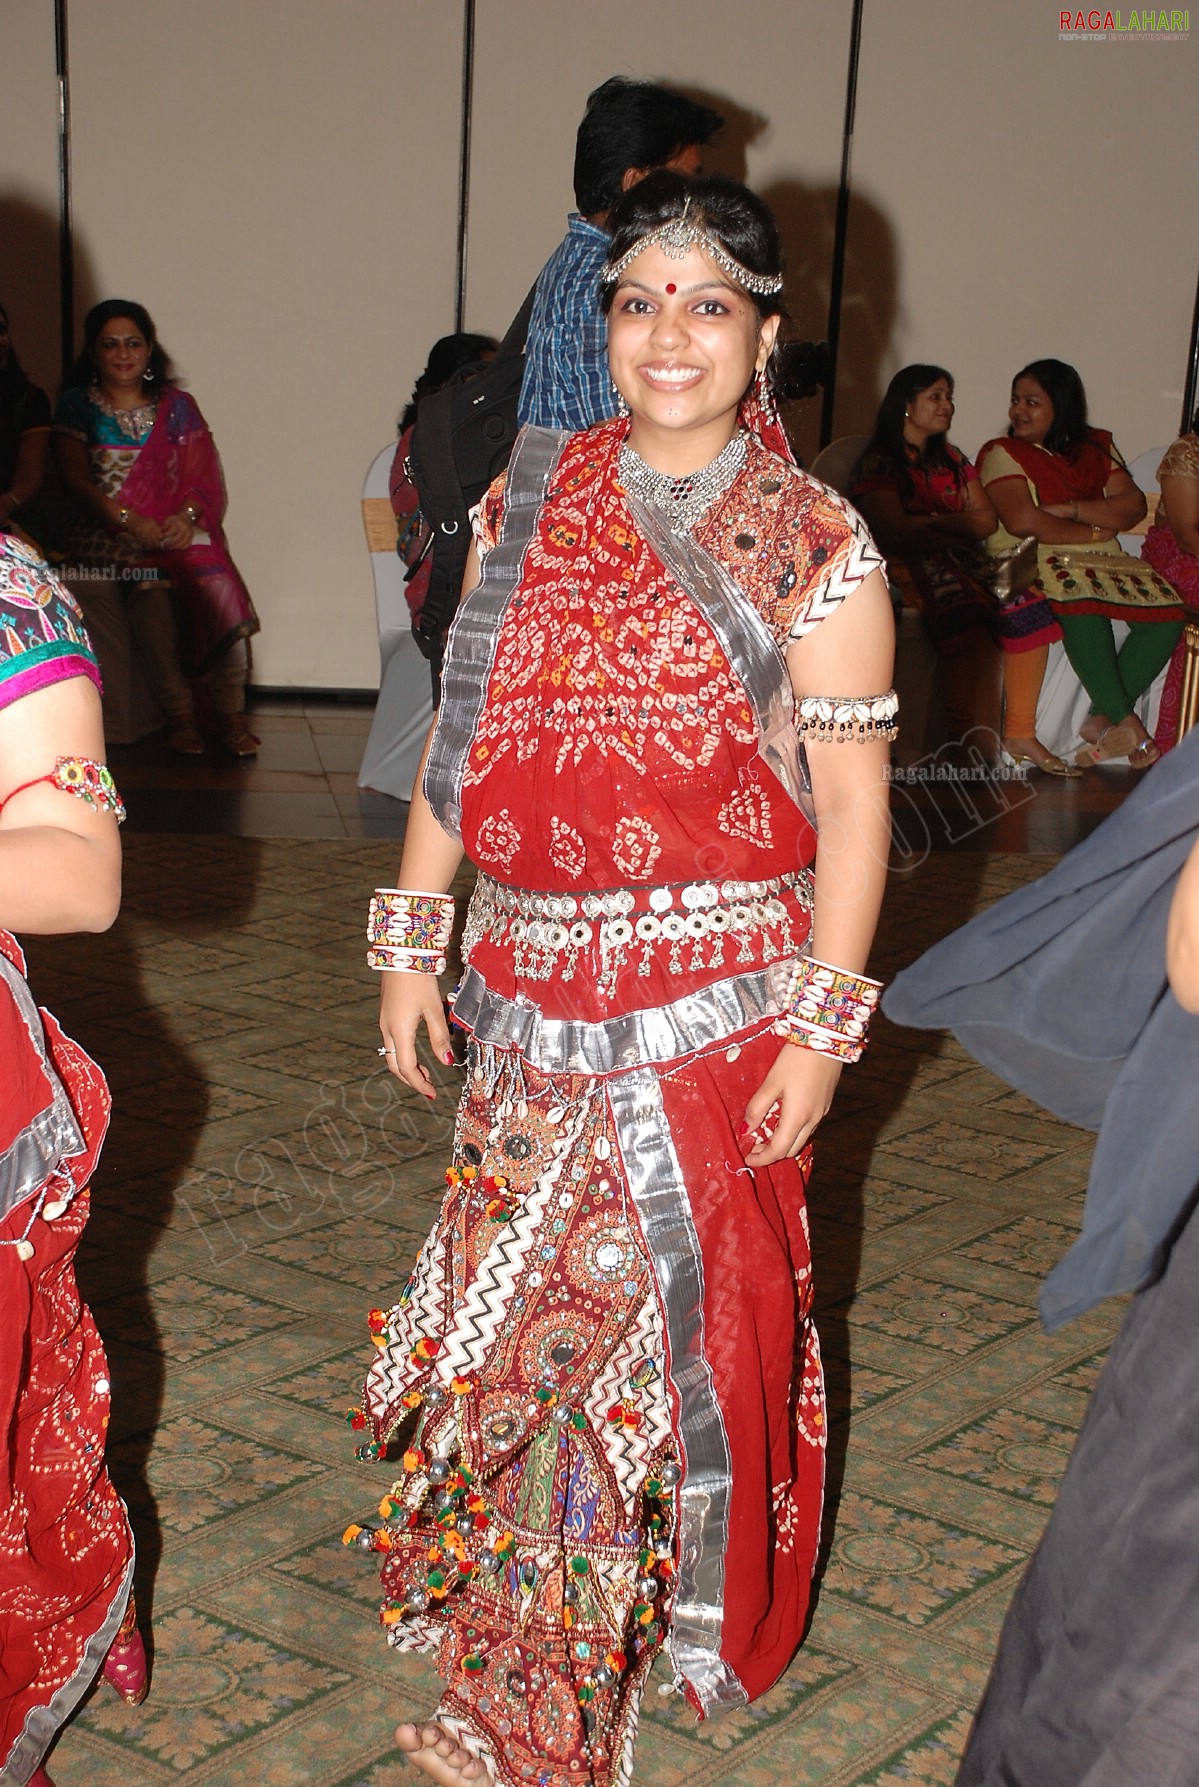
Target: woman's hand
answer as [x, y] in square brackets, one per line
[802, 1084]
[408, 1000]
[177, 532]
[146, 533]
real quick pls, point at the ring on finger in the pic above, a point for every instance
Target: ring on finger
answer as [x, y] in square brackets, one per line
[382, 1051]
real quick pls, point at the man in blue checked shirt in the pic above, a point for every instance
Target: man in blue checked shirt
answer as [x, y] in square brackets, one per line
[628, 128]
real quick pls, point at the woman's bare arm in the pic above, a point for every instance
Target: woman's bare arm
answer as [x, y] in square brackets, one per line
[897, 532]
[1180, 500]
[850, 653]
[60, 859]
[30, 471]
[430, 860]
[1120, 507]
[1020, 515]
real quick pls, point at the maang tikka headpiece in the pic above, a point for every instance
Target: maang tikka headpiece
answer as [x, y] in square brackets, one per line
[676, 238]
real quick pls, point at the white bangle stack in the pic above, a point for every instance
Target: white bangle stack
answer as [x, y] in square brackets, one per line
[408, 931]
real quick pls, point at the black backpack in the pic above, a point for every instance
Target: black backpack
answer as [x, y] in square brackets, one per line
[463, 438]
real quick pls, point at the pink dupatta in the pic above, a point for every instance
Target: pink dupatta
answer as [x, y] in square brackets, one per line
[179, 464]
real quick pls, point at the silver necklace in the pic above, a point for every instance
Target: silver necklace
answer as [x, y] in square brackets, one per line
[683, 500]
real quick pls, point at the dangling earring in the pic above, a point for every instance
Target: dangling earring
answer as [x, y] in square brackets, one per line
[622, 408]
[148, 376]
[764, 393]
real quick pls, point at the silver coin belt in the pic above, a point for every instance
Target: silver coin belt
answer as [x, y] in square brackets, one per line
[692, 921]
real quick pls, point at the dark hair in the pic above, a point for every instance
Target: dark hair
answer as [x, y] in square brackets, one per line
[446, 357]
[896, 455]
[85, 370]
[740, 221]
[632, 124]
[1063, 387]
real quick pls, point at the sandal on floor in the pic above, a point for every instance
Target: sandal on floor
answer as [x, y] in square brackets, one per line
[185, 739]
[236, 737]
[125, 1668]
[1050, 765]
[1113, 743]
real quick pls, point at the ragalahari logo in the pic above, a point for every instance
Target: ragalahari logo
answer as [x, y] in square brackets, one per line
[1142, 24]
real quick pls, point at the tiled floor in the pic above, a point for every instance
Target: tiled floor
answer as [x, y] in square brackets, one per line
[264, 1184]
[302, 784]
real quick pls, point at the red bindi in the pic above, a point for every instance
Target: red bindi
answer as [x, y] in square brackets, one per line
[672, 289]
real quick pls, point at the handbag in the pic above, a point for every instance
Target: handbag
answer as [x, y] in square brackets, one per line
[1005, 574]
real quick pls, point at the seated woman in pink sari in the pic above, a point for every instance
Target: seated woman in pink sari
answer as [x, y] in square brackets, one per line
[150, 561]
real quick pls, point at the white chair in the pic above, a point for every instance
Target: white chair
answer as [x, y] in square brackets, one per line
[1064, 703]
[836, 464]
[404, 709]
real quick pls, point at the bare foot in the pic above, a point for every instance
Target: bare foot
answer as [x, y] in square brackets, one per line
[436, 1754]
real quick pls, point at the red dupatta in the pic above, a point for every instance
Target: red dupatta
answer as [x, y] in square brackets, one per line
[1079, 477]
[179, 465]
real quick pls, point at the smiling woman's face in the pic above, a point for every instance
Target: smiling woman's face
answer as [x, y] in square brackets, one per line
[122, 353]
[1030, 411]
[684, 342]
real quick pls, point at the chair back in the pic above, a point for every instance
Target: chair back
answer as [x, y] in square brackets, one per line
[405, 706]
[1143, 472]
[837, 463]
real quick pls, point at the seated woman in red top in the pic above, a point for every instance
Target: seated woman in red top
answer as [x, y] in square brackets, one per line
[923, 498]
[1055, 477]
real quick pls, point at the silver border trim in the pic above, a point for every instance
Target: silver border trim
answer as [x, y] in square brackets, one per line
[474, 636]
[634, 1039]
[659, 1191]
[43, 1723]
[747, 643]
[53, 1135]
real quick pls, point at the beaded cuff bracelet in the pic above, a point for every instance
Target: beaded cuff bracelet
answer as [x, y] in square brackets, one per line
[854, 717]
[409, 931]
[828, 1009]
[83, 777]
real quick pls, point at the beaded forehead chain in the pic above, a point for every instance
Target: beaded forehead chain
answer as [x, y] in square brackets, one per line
[676, 238]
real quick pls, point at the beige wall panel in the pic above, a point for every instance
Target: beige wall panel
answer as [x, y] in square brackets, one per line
[29, 185]
[277, 184]
[775, 71]
[1036, 192]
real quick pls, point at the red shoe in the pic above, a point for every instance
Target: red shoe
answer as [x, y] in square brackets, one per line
[124, 1667]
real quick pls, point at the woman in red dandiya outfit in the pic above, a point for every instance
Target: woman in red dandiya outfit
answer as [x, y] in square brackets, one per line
[603, 1377]
[66, 1552]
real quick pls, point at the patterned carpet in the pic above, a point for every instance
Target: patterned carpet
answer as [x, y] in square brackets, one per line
[264, 1184]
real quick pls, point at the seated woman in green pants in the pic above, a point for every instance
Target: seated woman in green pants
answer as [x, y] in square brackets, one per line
[1055, 477]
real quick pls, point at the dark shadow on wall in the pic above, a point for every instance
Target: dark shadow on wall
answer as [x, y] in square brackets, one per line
[29, 285]
[728, 153]
[806, 216]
